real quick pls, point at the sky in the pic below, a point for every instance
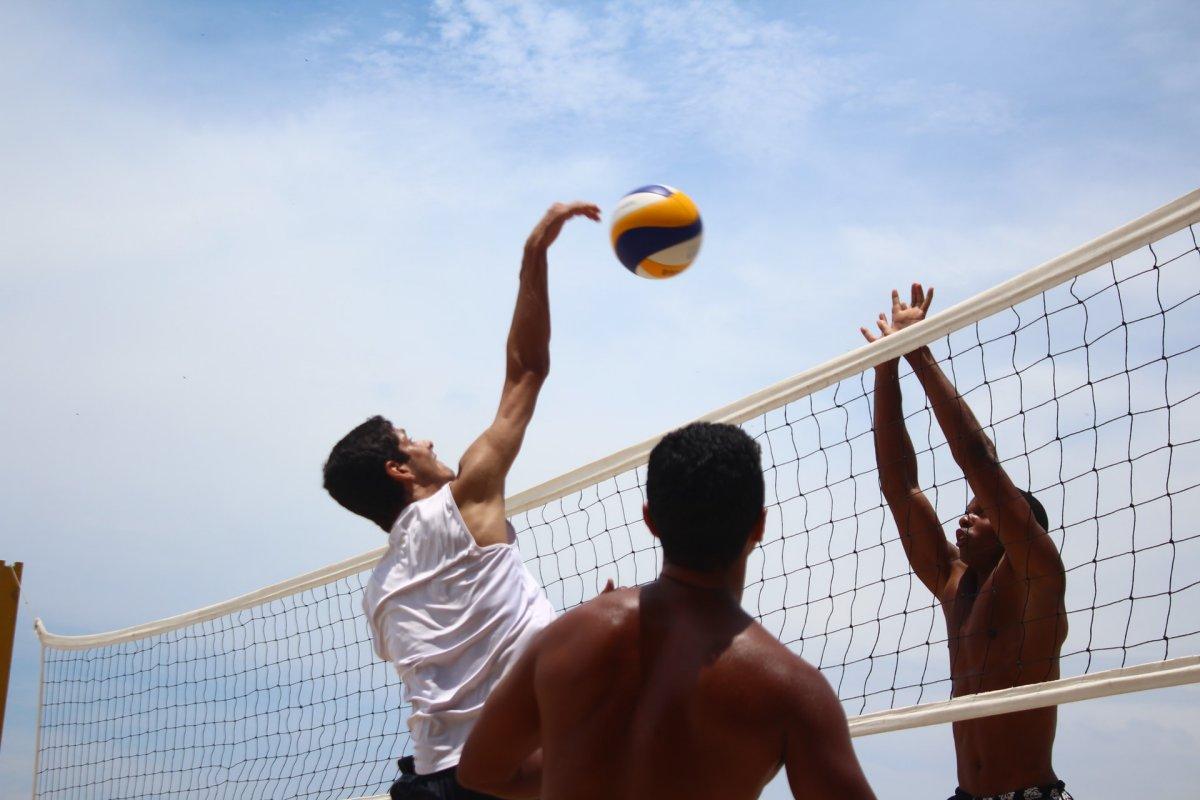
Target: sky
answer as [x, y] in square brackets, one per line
[229, 232]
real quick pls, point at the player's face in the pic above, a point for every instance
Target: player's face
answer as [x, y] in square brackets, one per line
[422, 460]
[976, 538]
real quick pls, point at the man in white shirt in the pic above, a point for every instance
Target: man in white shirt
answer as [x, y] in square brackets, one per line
[451, 604]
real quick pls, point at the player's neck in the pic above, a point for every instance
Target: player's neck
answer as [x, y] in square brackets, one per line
[729, 581]
[984, 569]
[422, 490]
[418, 492]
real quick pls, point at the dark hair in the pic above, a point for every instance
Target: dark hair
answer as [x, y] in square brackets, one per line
[704, 487]
[1039, 511]
[356, 476]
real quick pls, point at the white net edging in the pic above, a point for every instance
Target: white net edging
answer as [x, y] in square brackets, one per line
[1086, 373]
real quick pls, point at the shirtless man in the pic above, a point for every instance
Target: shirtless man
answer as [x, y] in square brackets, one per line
[451, 604]
[670, 690]
[1000, 586]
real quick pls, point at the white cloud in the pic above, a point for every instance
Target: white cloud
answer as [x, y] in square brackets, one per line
[711, 71]
[707, 70]
[535, 59]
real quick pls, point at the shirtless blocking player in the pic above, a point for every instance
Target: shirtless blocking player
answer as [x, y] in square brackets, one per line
[451, 604]
[670, 690]
[1000, 586]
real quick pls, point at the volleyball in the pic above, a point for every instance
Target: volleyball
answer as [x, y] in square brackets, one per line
[656, 231]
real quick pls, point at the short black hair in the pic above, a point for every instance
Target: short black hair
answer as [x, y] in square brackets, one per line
[1039, 511]
[704, 488]
[356, 472]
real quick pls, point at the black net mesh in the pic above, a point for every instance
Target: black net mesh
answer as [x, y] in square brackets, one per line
[1089, 391]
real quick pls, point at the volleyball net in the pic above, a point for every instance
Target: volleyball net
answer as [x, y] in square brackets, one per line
[1085, 372]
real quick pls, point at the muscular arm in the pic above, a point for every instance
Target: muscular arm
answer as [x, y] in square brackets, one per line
[1031, 553]
[479, 488]
[502, 756]
[818, 756]
[931, 556]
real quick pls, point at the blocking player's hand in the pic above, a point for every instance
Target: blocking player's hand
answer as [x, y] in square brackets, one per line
[903, 314]
[547, 230]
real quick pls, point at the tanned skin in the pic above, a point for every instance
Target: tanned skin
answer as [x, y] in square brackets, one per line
[478, 485]
[663, 692]
[1000, 585]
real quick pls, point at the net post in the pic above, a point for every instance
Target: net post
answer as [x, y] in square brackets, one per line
[41, 702]
[10, 597]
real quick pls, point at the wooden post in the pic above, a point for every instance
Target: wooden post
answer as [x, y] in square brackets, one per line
[10, 594]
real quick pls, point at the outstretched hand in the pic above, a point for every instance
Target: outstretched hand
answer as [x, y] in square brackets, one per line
[546, 231]
[903, 314]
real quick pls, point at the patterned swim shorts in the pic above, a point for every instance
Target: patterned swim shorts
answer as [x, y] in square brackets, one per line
[1055, 791]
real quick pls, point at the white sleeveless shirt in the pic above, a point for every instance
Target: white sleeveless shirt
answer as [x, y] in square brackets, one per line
[452, 617]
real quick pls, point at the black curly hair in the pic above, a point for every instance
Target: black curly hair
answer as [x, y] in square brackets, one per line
[704, 488]
[356, 475]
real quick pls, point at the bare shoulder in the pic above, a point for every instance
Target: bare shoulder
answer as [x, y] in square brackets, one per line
[594, 624]
[787, 679]
[1031, 597]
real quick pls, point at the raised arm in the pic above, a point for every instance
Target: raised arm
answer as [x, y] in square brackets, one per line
[1030, 551]
[479, 487]
[933, 558]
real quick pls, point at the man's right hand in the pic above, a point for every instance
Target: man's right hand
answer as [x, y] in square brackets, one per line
[547, 230]
[903, 314]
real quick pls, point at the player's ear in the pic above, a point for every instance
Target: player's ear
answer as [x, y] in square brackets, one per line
[649, 520]
[756, 533]
[400, 472]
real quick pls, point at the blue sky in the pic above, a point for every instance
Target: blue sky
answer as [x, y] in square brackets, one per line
[231, 231]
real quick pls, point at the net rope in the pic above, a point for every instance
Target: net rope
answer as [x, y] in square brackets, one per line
[1089, 389]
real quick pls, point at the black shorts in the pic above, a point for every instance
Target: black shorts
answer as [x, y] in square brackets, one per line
[1055, 791]
[441, 785]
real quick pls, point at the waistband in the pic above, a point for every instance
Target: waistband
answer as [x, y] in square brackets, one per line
[408, 766]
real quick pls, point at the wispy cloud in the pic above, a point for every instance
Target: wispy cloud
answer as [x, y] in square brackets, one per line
[548, 59]
[710, 71]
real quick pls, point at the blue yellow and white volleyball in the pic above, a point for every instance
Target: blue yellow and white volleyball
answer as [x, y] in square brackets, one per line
[656, 231]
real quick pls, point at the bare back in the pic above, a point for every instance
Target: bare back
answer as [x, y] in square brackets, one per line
[669, 691]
